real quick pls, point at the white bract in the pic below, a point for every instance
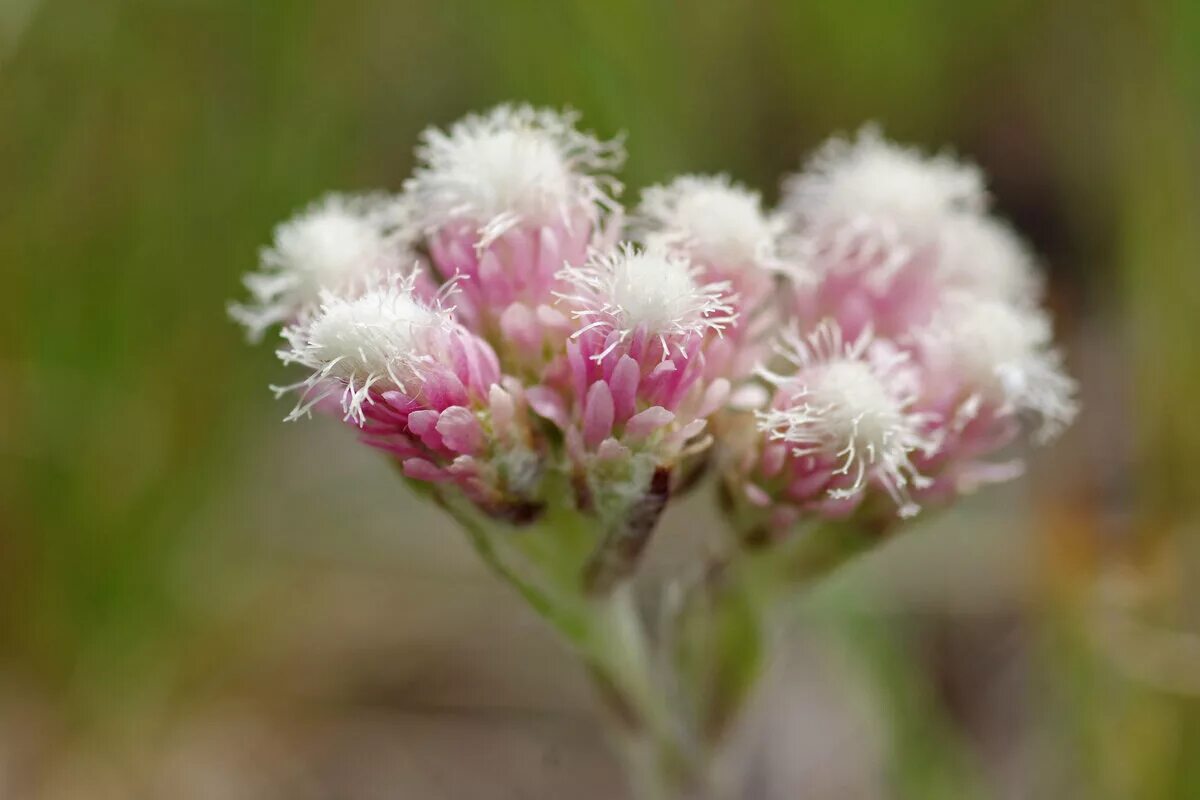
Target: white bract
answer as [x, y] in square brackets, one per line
[342, 243]
[650, 290]
[513, 165]
[870, 180]
[849, 402]
[984, 257]
[1003, 353]
[376, 341]
[712, 220]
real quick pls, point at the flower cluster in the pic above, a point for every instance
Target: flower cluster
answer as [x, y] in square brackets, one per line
[916, 344]
[488, 329]
[502, 329]
[552, 371]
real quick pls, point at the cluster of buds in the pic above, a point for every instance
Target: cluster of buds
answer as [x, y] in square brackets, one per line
[915, 348]
[502, 329]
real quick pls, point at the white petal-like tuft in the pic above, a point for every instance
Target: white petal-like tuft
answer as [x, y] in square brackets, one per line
[651, 290]
[850, 402]
[342, 243]
[513, 165]
[712, 220]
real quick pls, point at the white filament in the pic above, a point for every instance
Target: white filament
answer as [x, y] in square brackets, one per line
[712, 220]
[985, 258]
[378, 340]
[850, 401]
[870, 178]
[630, 289]
[512, 165]
[1004, 353]
[340, 243]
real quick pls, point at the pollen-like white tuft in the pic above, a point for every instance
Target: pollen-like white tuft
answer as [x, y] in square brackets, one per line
[377, 341]
[512, 165]
[1005, 353]
[712, 220]
[648, 290]
[342, 243]
[986, 258]
[853, 186]
[850, 402]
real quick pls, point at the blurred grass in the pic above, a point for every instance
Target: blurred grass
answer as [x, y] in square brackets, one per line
[147, 490]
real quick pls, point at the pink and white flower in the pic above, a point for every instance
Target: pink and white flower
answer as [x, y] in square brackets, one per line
[632, 376]
[983, 257]
[841, 426]
[872, 224]
[341, 243]
[986, 366]
[504, 199]
[420, 386]
[721, 228]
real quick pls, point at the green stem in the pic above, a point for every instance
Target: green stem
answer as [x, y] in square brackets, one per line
[544, 562]
[564, 619]
[672, 699]
[660, 748]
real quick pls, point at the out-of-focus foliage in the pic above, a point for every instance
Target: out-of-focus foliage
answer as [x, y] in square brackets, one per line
[167, 546]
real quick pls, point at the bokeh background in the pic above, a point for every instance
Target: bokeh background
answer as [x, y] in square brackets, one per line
[197, 601]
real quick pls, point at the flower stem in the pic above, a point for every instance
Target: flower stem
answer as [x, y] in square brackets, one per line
[672, 697]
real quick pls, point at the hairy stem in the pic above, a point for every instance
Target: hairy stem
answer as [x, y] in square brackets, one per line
[671, 697]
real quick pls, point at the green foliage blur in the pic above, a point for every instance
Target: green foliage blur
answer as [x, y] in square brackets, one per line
[159, 526]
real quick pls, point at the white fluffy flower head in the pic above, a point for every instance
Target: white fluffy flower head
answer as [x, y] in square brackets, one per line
[871, 182]
[512, 165]
[851, 402]
[1004, 353]
[379, 340]
[650, 290]
[711, 219]
[341, 243]
[984, 257]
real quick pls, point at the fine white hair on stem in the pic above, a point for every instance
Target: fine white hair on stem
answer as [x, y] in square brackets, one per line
[870, 179]
[376, 341]
[341, 243]
[512, 165]
[1004, 354]
[850, 402]
[630, 289]
[711, 219]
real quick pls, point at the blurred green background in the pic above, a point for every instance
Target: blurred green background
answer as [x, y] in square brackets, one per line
[197, 601]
